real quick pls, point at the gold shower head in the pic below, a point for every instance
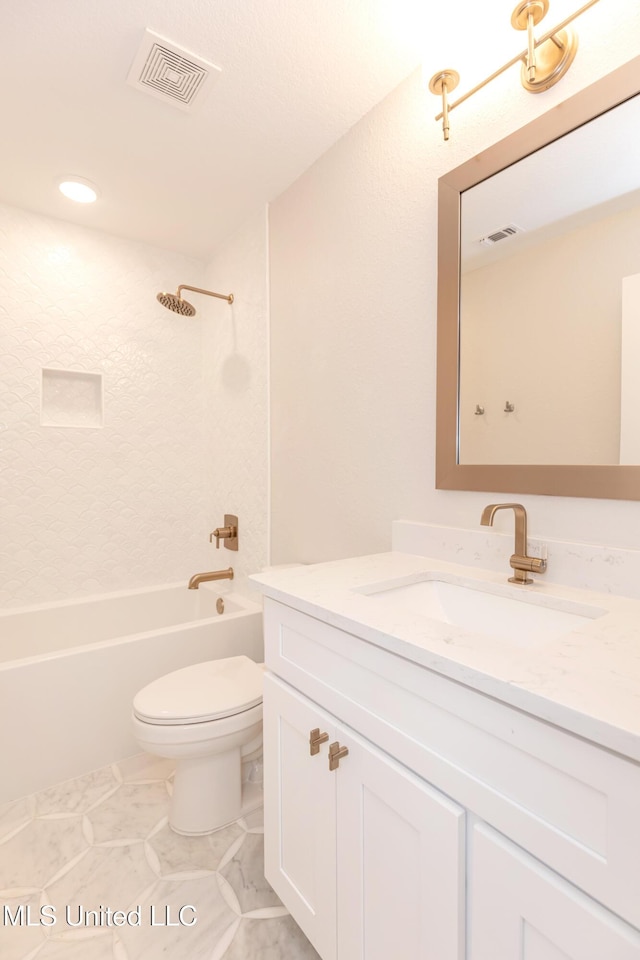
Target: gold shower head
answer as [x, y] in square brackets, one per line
[176, 303]
[173, 302]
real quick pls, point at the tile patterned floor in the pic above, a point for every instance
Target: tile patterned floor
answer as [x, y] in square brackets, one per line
[102, 842]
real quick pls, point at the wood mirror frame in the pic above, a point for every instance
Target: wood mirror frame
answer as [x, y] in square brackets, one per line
[609, 481]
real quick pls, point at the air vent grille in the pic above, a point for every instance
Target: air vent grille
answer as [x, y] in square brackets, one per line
[170, 73]
[503, 233]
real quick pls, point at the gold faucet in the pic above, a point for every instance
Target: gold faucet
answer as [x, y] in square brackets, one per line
[199, 578]
[521, 564]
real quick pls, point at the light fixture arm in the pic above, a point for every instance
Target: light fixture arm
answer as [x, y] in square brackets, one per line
[528, 12]
[531, 52]
[441, 83]
[526, 16]
[445, 111]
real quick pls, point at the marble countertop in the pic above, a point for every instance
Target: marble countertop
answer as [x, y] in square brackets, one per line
[586, 681]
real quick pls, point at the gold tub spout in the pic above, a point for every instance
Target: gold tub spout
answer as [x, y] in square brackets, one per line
[199, 578]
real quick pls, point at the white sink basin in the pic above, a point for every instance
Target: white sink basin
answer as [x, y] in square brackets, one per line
[525, 620]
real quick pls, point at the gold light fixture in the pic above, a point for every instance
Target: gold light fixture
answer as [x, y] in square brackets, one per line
[544, 62]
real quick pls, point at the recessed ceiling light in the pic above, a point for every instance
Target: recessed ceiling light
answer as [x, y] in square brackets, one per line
[78, 189]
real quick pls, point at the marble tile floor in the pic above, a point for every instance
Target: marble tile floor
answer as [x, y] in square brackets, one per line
[102, 843]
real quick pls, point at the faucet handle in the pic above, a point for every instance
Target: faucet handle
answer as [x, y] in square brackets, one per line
[228, 533]
[221, 533]
[521, 565]
[534, 564]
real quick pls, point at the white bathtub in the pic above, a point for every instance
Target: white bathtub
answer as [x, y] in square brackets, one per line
[69, 671]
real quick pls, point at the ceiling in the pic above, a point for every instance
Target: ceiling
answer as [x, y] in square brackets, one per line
[296, 75]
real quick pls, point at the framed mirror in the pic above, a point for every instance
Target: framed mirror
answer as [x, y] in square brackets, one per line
[539, 304]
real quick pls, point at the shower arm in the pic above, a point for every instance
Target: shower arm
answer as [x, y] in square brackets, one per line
[209, 293]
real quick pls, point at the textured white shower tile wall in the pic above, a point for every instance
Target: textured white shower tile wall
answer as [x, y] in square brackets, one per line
[235, 351]
[93, 510]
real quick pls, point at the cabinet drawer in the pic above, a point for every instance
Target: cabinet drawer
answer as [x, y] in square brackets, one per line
[570, 803]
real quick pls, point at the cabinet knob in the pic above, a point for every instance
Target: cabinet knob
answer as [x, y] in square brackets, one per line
[336, 754]
[315, 739]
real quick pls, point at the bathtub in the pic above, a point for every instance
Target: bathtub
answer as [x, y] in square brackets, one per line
[69, 671]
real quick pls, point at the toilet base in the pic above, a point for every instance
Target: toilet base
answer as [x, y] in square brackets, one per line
[207, 787]
[207, 793]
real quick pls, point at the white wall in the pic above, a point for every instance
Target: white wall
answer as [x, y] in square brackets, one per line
[353, 313]
[130, 504]
[235, 345]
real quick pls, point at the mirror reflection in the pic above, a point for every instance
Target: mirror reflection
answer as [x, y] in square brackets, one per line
[550, 303]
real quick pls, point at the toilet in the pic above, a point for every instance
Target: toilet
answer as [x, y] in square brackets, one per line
[206, 717]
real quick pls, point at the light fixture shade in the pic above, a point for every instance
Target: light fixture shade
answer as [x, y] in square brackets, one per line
[78, 189]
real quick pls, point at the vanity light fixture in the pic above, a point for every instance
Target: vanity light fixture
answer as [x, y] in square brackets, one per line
[544, 62]
[78, 189]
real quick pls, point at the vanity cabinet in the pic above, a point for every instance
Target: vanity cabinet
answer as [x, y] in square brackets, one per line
[367, 857]
[439, 778]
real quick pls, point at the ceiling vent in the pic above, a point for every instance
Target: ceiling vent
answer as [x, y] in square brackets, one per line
[170, 73]
[504, 233]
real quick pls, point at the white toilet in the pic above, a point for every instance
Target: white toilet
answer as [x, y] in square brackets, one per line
[207, 717]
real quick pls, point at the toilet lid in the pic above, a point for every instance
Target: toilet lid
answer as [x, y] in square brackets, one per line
[204, 691]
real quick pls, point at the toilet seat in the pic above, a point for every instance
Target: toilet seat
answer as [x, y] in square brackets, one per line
[202, 692]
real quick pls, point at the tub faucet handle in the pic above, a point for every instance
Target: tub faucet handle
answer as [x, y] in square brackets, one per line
[228, 533]
[220, 533]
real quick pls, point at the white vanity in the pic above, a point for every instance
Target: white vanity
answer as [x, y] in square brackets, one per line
[484, 801]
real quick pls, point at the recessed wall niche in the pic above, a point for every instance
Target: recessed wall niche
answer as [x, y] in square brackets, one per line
[71, 398]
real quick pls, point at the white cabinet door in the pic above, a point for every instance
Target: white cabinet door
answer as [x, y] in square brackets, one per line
[401, 859]
[367, 857]
[520, 910]
[299, 813]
